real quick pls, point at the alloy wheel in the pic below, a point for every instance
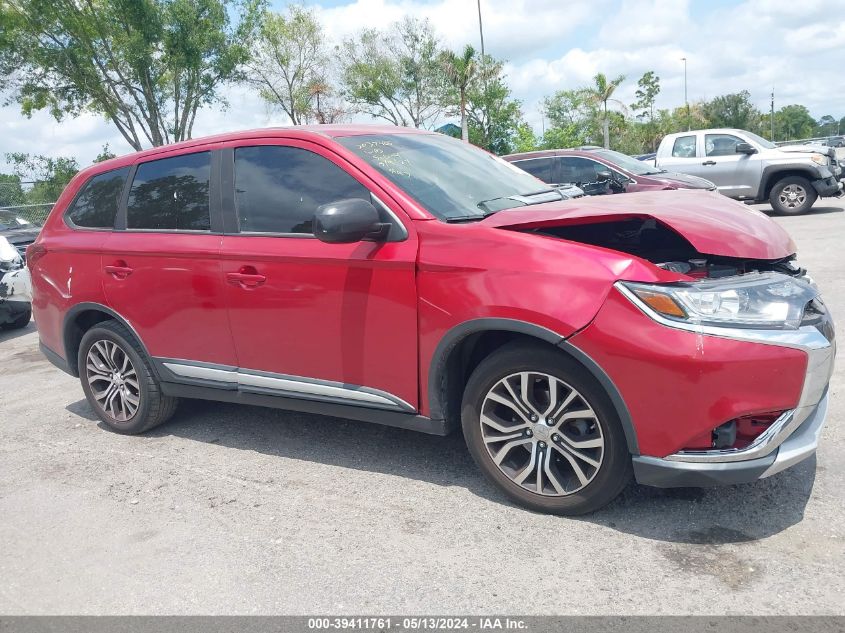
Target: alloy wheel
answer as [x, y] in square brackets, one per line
[542, 433]
[792, 196]
[113, 380]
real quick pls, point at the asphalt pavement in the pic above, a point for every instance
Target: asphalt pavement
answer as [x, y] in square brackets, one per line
[244, 510]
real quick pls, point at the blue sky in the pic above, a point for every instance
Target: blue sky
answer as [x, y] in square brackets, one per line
[795, 47]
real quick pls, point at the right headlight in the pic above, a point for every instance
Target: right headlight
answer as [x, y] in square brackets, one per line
[756, 300]
[10, 258]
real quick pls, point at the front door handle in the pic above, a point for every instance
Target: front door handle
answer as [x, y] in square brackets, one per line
[246, 277]
[118, 270]
[709, 162]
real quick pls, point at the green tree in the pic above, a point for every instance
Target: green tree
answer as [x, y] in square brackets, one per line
[105, 154]
[524, 138]
[600, 93]
[461, 70]
[826, 126]
[493, 115]
[49, 175]
[289, 61]
[793, 122]
[572, 116]
[733, 111]
[646, 94]
[395, 75]
[147, 66]
[11, 191]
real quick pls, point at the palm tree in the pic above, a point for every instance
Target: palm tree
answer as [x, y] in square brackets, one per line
[461, 70]
[600, 93]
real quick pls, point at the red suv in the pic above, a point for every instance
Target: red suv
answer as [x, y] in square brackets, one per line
[406, 278]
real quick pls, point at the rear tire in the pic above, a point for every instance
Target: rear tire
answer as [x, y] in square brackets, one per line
[20, 322]
[119, 382]
[555, 460]
[792, 195]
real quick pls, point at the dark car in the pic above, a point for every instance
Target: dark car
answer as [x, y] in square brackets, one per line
[835, 141]
[599, 171]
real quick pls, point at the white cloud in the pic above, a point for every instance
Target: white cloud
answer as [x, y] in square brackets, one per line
[755, 45]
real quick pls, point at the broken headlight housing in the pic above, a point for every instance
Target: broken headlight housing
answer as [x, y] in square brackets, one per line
[10, 259]
[756, 300]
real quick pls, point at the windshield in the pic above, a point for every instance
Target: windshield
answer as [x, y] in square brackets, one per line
[637, 167]
[759, 140]
[451, 179]
[9, 220]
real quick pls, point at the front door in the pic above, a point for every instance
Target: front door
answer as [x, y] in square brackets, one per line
[735, 175]
[333, 322]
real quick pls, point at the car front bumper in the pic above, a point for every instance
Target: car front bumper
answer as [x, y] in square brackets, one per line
[15, 294]
[679, 382]
[828, 187]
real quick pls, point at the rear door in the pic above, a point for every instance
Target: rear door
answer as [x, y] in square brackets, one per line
[334, 322]
[161, 266]
[684, 156]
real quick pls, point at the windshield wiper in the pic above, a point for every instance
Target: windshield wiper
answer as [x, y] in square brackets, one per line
[525, 199]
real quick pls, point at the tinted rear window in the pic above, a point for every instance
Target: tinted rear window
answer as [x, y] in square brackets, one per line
[171, 194]
[96, 205]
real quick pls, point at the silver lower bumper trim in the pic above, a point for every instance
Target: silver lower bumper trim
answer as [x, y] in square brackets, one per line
[802, 443]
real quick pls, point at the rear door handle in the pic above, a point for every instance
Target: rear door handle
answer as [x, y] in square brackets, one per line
[709, 162]
[119, 270]
[246, 277]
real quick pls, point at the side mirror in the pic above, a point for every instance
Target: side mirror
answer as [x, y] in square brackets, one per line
[347, 221]
[603, 176]
[745, 148]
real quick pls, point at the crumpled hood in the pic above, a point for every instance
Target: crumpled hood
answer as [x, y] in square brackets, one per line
[712, 223]
[809, 148]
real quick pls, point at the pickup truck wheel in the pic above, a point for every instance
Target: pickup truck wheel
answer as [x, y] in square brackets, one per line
[792, 195]
[118, 380]
[544, 431]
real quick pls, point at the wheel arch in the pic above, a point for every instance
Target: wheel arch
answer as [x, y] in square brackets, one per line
[771, 175]
[464, 346]
[81, 318]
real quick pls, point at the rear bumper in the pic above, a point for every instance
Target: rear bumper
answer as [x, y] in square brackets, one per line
[798, 446]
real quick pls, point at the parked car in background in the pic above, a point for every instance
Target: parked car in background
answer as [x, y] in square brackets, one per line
[16, 233]
[746, 166]
[397, 276]
[834, 141]
[600, 171]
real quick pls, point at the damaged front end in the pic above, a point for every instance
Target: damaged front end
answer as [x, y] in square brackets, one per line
[15, 286]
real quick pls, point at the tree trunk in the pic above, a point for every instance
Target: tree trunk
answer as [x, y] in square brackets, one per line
[464, 126]
[606, 128]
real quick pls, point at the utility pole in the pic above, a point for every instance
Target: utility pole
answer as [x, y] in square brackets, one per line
[686, 100]
[772, 115]
[480, 29]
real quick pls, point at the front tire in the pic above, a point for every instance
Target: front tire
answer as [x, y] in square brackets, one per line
[543, 430]
[119, 382]
[792, 195]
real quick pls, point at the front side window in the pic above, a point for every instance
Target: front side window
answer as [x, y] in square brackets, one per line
[538, 167]
[171, 194]
[278, 189]
[684, 147]
[96, 204]
[579, 170]
[454, 181]
[721, 144]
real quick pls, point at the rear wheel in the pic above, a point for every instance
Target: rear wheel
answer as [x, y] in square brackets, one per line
[544, 431]
[792, 195]
[118, 380]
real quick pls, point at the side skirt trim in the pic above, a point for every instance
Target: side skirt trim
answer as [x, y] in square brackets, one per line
[235, 378]
[387, 417]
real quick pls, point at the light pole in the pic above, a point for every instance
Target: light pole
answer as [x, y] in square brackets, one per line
[480, 30]
[686, 101]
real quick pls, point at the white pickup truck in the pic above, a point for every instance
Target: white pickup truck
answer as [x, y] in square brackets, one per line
[745, 166]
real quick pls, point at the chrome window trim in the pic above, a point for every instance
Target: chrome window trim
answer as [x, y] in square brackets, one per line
[287, 385]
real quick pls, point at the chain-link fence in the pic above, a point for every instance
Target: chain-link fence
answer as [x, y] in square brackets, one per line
[35, 213]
